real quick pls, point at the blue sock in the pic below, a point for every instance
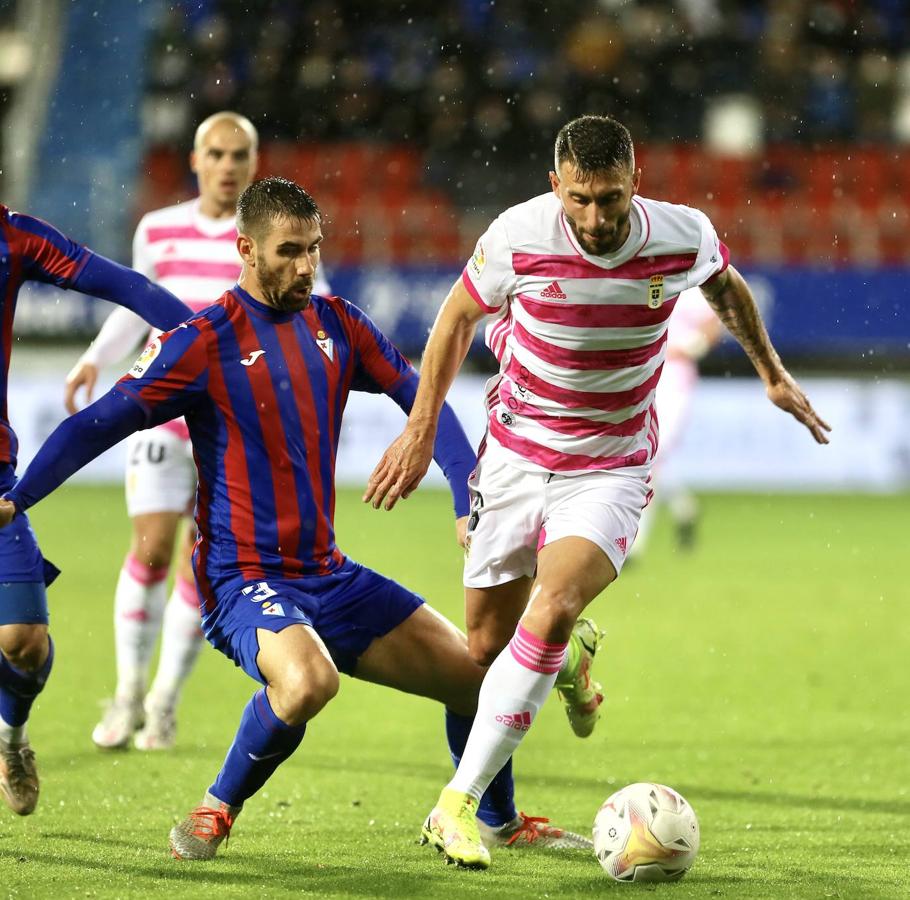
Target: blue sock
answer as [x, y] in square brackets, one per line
[18, 689]
[263, 742]
[497, 805]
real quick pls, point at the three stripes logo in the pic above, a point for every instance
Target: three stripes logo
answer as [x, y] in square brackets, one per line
[553, 291]
[622, 544]
[518, 721]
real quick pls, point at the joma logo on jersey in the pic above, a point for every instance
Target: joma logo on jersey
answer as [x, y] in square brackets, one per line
[656, 291]
[252, 358]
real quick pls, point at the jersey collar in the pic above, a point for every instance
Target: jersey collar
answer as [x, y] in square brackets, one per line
[636, 240]
[262, 310]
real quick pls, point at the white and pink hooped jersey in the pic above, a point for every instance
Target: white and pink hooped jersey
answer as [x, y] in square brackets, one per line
[581, 339]
[190, 254]
[193, 256]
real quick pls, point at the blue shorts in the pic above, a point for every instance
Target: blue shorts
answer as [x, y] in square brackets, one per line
[24, 572]
[348, 609]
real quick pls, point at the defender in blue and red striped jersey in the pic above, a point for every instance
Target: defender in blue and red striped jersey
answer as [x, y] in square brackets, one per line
[32, 250]
[262, 377]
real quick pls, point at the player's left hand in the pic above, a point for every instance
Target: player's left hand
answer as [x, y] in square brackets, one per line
[400, 470]
[461, 530]
[7, 512]
[788, 395]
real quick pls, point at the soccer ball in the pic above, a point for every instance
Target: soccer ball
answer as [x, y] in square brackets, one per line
[646, 832]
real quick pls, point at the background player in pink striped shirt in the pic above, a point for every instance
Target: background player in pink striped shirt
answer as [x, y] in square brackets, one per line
[581, 282]
[694, 330]
[190, 249]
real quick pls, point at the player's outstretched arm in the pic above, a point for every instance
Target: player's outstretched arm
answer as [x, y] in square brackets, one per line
[452, 450]
[407, 458]
[73, 444]
[731, 299]
[102, 277]
[119, 336]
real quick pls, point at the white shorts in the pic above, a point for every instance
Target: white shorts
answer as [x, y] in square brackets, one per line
[160, 473]
[515, 512]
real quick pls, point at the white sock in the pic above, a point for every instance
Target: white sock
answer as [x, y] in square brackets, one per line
[181, 640]
[13, 734]
[513, 690]
[138, 610]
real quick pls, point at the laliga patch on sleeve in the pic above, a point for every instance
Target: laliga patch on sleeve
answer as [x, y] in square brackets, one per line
[478, 261]
[146, 358]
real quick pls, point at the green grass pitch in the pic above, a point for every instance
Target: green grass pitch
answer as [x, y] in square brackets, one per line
[764, 675]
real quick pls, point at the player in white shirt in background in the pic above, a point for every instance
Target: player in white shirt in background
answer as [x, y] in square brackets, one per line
[581, 281]
[694, 330]
[189, 249]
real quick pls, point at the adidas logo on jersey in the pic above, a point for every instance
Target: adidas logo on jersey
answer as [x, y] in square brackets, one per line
[553, 291]
[519, 721]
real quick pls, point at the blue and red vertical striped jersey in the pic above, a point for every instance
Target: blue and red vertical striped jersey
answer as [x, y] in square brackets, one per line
[263, 393]
[30, 250]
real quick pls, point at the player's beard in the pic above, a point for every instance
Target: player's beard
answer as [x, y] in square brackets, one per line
[284, 297]
[598, 245]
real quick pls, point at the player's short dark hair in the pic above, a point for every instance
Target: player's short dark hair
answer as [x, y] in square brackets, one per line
[594, 144]
[268, 199]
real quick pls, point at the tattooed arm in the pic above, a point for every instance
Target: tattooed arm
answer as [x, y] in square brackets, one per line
[731, 299]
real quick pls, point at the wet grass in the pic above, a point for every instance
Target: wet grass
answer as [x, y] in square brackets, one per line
[763, 675]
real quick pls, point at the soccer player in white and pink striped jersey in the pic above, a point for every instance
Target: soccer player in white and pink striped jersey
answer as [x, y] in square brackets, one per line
[581, 283]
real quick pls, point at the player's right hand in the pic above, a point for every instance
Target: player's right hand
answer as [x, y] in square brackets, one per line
[400, 470]
[83, 374]
[7, 512]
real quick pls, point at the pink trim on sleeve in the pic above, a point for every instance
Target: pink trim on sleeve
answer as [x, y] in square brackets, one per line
[725, 261]
[469, 286]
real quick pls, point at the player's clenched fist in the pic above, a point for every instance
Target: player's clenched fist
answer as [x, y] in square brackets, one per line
[7, 512]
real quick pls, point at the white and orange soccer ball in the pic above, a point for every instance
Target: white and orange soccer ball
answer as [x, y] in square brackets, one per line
[646, 832]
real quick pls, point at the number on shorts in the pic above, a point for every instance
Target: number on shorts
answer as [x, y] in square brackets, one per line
[154, 452]
[258, 592]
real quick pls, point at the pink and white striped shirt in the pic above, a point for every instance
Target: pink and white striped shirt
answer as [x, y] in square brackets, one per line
[581, 339]
[190, 254]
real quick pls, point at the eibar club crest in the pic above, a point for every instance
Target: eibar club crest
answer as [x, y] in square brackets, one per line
[656, 292]
[325, 343]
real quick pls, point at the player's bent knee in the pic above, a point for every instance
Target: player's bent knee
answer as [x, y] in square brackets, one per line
[153, 552]
[25, 646]
[302, 691]
[560, 607]
[483, 649]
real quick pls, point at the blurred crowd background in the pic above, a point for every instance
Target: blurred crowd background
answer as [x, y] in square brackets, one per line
[452, 75]
[740, 105]
[415, 122]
